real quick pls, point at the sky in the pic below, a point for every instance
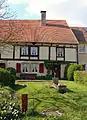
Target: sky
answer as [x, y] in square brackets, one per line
[73, 11]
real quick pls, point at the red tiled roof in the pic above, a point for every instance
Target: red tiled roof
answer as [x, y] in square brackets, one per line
[55, 31]
[80, 33]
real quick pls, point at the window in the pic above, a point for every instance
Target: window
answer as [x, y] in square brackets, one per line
[29, 51]
[25, 68]
[34, 67]
[34, 51]
[82, 48]
[60, 52]
[24, 50]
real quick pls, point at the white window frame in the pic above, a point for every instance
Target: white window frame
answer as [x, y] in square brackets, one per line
[34, 51]
[24, 50]
[34, 67]
[60, 52]
[31, 67]
[25, 68]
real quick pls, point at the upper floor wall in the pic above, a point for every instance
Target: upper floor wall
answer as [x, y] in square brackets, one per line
[82, 53]
[39, 53]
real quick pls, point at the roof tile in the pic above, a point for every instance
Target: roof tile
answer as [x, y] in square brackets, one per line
[55, 31]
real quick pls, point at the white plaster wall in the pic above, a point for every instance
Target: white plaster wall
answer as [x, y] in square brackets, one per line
[17, 52]
[33, 58]
[43, 53]
[86, 67]
[70, 54]
[7, 51]
[13, 64]
[62, 70]
[85, 48]
[53, 53]
[24, 57]
[82, 58]
[60, 59]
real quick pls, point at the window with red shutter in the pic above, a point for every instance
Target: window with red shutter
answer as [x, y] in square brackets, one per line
[41, 67]
[18, 67]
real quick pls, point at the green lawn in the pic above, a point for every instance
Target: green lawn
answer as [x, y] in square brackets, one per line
[73, 103]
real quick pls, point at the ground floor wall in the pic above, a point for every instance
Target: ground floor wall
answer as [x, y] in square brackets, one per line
[31, 67]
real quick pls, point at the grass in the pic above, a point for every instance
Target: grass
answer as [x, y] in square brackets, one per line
[73, 103]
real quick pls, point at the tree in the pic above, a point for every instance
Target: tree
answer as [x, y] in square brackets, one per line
[5, 12]
[8, 28]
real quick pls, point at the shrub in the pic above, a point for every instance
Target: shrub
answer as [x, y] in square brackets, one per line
[80, 76]
[4, 77]
[9, 110]
[71, 69]
[65, 71]
[40, 77]
[12, 71]
[47, 77]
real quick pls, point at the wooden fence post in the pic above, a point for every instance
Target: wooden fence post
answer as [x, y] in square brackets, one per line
[24, 102]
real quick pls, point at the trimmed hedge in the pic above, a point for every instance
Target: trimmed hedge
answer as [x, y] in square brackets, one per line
[71, 69]
[80, 76]
[47, 77]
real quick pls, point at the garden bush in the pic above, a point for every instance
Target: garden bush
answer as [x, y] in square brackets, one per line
[40, 77]
[80, 76]
[9, 109]
[65, 71]
[5, 77]
[71, 69]
[47, 77]
[12, 71]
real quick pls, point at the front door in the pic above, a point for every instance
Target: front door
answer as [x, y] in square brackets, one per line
[56, 70]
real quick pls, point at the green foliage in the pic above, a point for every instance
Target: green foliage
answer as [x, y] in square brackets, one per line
[65, 71]
[40, 77]
[71, 69]
[47, 77]
[12, 81]
[72, 104]
[9, 110]
[80, 76]
[4, 77]
[12, 71]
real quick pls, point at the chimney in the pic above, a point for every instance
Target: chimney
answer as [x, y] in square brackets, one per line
[43, 18]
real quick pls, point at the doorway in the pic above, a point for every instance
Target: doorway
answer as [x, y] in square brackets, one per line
[56, 70]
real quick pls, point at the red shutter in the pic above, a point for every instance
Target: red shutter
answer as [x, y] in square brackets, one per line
[18, 67]
[41, 68]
